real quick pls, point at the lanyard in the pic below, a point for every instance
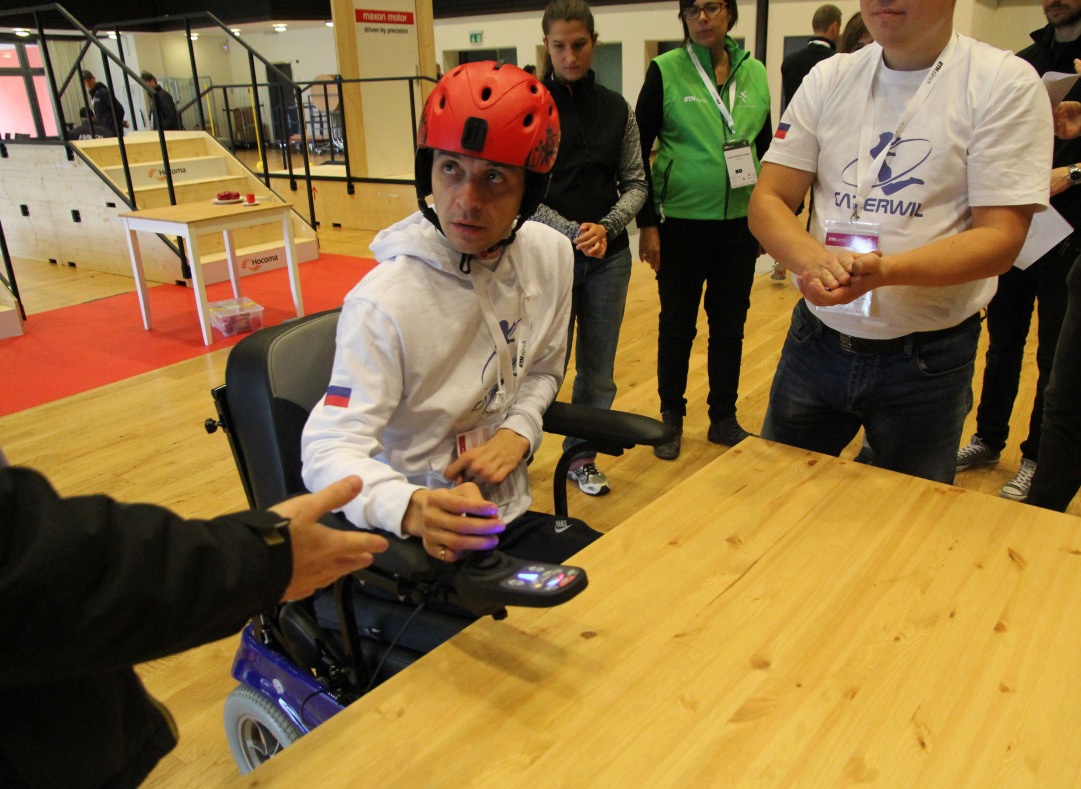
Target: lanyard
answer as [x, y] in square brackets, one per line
[506, 389]
[915, 104]
[712, 88]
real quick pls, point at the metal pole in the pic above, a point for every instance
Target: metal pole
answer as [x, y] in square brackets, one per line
[194, 75]
[119, 131]
[258, 118]
[55, 95]
[127, 85]
[229, 120]
[345, 140]
[307, 161]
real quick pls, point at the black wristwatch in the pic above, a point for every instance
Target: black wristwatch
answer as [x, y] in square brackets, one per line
[1073, 175]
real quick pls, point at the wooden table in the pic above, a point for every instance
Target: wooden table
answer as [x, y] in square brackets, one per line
[189, 221]
[778, 619]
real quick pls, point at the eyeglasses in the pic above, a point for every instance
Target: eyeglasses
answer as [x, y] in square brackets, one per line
[691, 13]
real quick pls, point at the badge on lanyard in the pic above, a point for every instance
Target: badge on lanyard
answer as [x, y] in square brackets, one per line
[859, 238]
[737, 157]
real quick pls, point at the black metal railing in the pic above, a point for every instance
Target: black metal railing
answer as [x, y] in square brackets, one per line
[7, 280]
[299, 94]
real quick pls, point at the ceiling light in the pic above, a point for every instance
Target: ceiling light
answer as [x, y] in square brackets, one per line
[112, 36]
[279, 28]
[330, 24]
[194, 36]
[235, 31]
[21, 33]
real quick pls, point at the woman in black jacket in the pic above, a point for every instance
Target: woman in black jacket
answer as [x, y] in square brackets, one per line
[598, 185]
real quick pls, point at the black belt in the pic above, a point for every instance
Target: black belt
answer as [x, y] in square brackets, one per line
[893, 345]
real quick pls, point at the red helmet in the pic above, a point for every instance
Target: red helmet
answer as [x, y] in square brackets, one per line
[491, 111]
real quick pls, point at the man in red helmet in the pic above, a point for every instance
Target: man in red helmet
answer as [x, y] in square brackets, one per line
[450, 351]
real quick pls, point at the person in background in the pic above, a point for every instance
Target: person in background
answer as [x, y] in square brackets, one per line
[855, 36]
[826, 25]
[927, 153]
[89, 587]
[170, 118]
[107, 110]
[1042, 285]
[707, 106]
[598, 185]
[1057, 477]
[89, 129]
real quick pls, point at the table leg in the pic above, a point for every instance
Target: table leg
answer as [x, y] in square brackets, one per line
[230, 259]
[140, 275]
[200, 285]
[291, 262]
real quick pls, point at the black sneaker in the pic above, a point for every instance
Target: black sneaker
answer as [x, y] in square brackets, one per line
[976, 453]
[727, 431]
[670, 450]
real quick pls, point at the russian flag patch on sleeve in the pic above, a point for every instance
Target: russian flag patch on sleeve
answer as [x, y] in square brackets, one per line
[782, 130]
[338, 395]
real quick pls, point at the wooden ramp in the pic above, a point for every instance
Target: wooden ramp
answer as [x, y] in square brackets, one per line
[66, 210]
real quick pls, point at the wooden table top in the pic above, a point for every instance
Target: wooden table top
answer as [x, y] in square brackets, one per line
[780, 618]
[194, 213]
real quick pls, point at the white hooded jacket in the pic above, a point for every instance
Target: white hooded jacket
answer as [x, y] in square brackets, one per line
[417, 364]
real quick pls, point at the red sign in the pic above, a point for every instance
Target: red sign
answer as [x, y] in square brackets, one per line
[384, 17]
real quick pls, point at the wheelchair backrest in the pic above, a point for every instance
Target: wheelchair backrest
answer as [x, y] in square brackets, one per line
[273, 380]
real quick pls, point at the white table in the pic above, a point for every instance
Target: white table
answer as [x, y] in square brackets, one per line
[189, 221]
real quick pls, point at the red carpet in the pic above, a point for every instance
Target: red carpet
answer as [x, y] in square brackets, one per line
[79, 348]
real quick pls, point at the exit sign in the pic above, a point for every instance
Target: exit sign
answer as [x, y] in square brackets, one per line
[476, 37]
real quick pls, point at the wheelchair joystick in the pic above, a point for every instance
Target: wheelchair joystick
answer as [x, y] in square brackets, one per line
[487, 581]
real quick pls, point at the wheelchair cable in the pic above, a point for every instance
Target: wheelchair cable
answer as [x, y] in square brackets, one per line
[397, 638]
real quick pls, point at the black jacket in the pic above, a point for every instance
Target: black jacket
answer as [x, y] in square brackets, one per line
[592, 121]
[107, 110]
[170, 118]
[1045, 55]
[89, 587]
[798, 65]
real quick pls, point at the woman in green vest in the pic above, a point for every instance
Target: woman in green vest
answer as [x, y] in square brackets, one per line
[706, 104]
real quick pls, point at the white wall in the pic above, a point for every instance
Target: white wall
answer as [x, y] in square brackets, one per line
[1003, 23]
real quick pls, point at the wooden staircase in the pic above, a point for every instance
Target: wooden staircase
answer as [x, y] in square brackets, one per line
[201, 168]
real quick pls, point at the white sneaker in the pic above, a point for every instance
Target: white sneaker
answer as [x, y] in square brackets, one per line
[1017, 488]
[589, 479]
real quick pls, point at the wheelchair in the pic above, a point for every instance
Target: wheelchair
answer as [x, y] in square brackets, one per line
[303, 661]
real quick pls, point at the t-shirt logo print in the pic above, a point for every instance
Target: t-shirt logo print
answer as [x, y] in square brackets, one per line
[905, 157]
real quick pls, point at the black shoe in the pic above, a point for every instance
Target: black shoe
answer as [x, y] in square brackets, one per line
[670, 449]
[727, 431]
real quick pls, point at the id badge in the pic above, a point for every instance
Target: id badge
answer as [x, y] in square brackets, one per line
[859, 238]
[737, 156]
[510, 488]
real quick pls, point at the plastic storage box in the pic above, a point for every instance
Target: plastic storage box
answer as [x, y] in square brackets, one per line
[233, 316]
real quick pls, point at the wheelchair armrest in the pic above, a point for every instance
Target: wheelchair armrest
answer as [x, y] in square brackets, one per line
[610, 431]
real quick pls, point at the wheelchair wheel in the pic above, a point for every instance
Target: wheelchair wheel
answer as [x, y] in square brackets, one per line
[255, 728]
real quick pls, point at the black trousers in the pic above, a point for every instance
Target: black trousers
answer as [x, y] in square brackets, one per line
[719, 255]
[1058, 467]
[1009, 315]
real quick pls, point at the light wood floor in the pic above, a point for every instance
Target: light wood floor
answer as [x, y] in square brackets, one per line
[143, 440]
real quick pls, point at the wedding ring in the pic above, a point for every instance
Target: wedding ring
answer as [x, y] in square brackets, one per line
[443, 554]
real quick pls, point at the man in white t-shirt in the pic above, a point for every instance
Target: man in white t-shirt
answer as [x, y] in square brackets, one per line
[928, 153]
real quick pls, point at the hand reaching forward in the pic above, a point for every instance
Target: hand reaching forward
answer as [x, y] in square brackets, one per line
[321, 555]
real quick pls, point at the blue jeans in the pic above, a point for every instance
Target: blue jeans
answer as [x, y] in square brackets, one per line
[599, 296]
[912, 403]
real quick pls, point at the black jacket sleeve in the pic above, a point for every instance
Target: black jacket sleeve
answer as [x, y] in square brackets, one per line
[649, 112]
[89, 584]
